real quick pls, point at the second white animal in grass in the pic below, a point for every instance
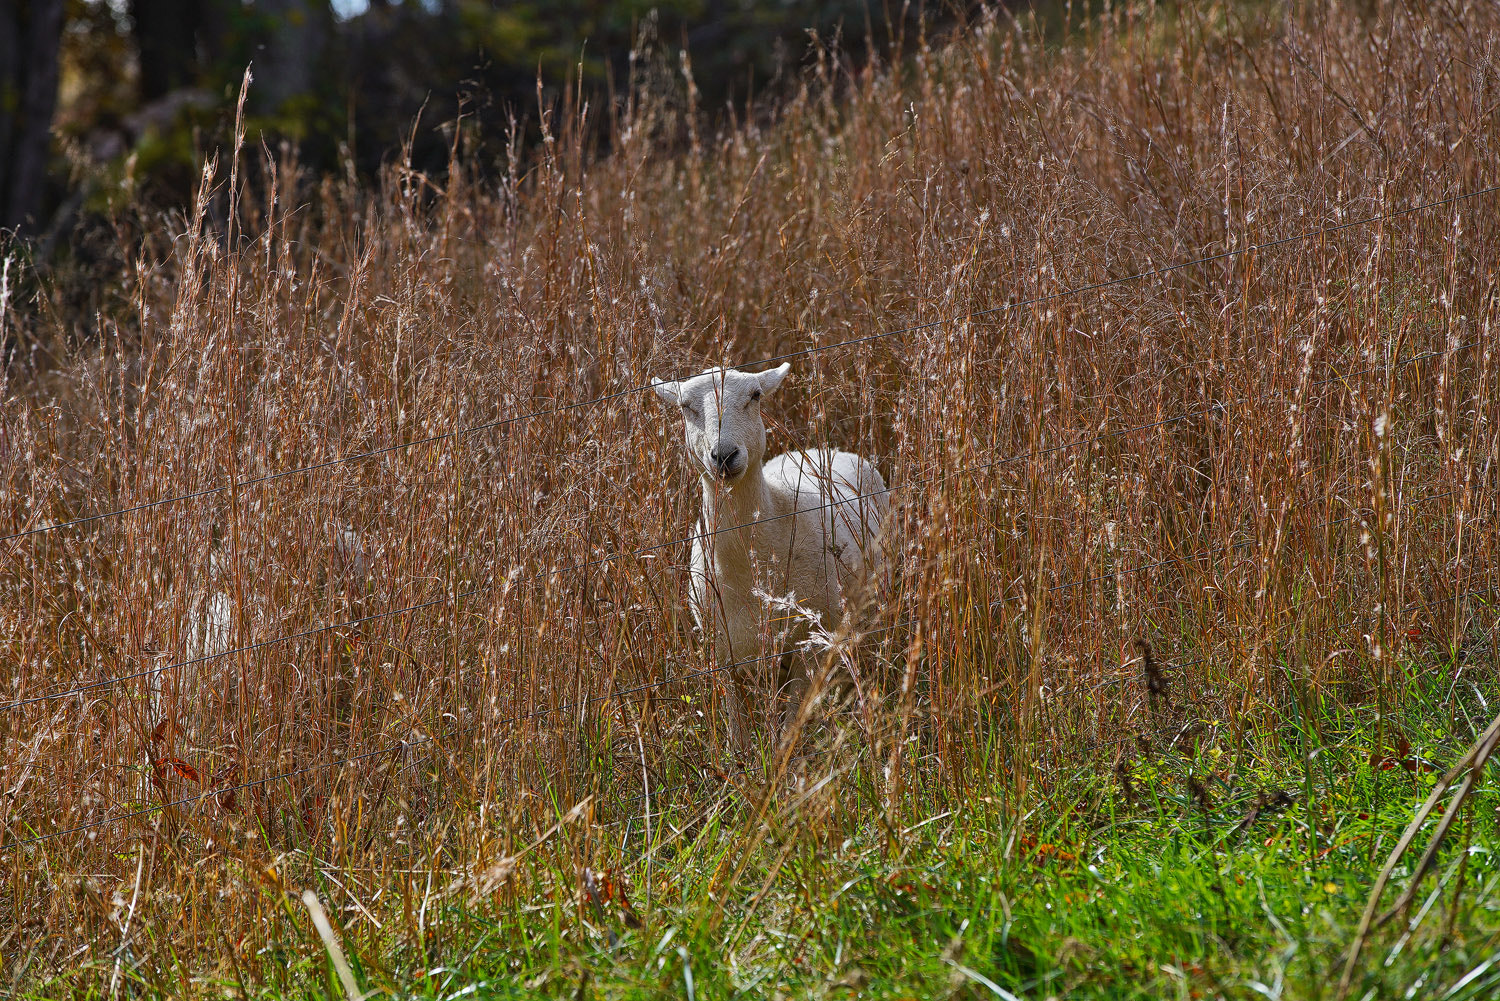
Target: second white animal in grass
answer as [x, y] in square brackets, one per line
[802, 524]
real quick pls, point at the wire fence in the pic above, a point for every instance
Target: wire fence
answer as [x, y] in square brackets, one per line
[494, 425]
[219, 793]
[583, 566]
[580, 567]
[407, 745]
[1230, 548]
[621, 694]
[403, 746]
[1175, 731]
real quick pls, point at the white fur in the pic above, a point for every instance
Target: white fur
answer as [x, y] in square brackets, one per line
[801, 525]
[210, 621]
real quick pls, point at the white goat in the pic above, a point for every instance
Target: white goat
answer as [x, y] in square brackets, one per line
[808, 518]
[210, 619]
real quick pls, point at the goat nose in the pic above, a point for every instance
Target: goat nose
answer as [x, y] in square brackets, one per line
[723, 455]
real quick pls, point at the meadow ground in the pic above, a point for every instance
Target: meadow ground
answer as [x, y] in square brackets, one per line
[1190, 612]
[1202, 880]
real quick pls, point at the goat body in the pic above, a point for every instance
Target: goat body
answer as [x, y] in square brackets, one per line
[809, 518]
[798, 530]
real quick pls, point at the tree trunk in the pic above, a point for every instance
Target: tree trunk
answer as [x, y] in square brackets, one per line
[288, 66]
[30, 32]
[167, 37]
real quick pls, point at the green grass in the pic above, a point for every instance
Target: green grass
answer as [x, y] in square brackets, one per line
[1210, 874]
[1276, 470]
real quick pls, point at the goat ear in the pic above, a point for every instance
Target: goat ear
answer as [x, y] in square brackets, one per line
[666, 390]
[771, 378]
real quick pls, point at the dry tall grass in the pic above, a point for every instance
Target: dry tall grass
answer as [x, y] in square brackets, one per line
[1304, 505]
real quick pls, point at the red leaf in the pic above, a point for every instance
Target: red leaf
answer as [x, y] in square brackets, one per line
[184, 769]
[1045, 851]
[632, 920]
[226, 776]
[312, 810]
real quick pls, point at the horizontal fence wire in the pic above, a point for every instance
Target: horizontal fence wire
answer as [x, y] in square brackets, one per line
[1051, 693]
[617, 695]
[389, 749]
[1176, 730]
[1234, 546]
[1457, 597]
[546, 575]
[803, 352]
[406, 745]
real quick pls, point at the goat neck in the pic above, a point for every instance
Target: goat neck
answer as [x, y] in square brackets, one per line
[733, 510]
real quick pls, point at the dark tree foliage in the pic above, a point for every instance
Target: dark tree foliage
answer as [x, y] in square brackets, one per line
[168, 36]
[149, 86]
[399, 59]
[30, 31]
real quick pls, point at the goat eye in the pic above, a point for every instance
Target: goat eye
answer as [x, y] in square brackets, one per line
[755, 396]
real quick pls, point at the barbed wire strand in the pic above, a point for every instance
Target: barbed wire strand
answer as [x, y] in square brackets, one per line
[400, 746]
[1456, 597]
[1176, 730]
[1233, 546]
[407, 745]
[647, 550]
[235, 487]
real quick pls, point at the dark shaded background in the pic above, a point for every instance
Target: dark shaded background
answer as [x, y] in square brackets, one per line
[111, 102]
